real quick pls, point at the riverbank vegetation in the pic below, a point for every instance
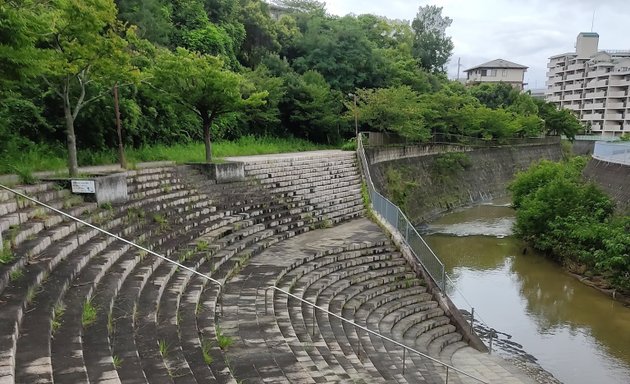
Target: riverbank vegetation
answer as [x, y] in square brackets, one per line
[199, 71]
[572, 221]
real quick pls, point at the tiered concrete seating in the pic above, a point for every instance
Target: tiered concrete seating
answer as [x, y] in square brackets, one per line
[327, 185]
[155, 322]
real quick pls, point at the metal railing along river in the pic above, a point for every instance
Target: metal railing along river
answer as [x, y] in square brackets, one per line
[405, 348]
[391, 213]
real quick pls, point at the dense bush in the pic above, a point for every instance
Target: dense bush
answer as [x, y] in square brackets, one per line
[572, 221]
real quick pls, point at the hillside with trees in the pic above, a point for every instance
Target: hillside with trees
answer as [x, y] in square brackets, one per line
[208, 70]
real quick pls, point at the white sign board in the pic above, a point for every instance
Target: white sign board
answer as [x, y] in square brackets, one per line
[83, 186]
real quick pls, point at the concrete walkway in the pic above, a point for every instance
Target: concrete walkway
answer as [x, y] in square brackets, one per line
[281, 156]
[96, 169]
[264, 268]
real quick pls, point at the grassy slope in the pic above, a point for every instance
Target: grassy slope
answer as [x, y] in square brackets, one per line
[43, 158]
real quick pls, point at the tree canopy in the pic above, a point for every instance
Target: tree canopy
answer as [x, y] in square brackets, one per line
[219, 69]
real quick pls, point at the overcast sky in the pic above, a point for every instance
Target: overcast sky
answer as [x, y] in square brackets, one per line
[523, 31]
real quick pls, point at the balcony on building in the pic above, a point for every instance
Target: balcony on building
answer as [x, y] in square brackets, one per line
[617, 94]
[620, 82]
[592, 116]
[595, 95]
[574, 96]
[596, 84]
[613, 116]
[571, 87]
[615, 105]
[593, 105]
[575, 76]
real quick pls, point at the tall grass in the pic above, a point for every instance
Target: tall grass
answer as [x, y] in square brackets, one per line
[48, 158]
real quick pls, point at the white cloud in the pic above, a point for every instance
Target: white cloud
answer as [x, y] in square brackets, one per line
[524, 31]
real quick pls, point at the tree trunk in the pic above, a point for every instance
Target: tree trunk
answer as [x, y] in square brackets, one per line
[207, 126]
[121, 147]
[73, 165]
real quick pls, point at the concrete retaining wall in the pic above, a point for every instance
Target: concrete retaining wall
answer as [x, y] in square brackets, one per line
[429, 193]
[613, 178]
[222, 173]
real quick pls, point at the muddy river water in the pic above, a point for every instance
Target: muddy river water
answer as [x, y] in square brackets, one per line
[575, 332]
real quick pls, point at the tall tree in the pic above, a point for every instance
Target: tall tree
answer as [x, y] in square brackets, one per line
[21, 23]
[205, 86]
[83, 47]
[431, 47]
[396, 109]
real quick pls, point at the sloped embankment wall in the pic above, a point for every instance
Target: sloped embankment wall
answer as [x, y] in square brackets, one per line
[425, 189]
[613, 178]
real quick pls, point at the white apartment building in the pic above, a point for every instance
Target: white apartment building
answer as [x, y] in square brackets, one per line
[593, 84]
[497, 71]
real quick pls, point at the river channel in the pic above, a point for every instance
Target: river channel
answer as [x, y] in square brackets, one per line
[575, 332]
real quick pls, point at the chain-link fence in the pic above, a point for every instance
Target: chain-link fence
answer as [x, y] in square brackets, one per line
[397, 219]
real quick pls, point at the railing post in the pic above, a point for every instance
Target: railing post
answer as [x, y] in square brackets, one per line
[443, 279]
[447, 374]
[17, 204]
[313, 322]
[404, 359]
[76, 231]
[472, 319]
[492, 333]
[266, 294]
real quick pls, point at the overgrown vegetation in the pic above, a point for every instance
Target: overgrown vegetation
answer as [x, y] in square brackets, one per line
[6, 254]
[88, 316]
[399, 187]
[451, 162]
[223, 341]
[572, 221]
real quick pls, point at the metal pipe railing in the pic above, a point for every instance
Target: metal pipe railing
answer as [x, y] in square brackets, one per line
[414, 241]
[350, 322]
[397, 219]
[77, 220]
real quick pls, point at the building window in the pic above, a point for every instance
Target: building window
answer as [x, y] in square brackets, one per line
[504, 73]
[492, 72]
[484, 73]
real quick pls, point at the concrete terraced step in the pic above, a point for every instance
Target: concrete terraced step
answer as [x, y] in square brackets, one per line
[51, 297]
[36, 272]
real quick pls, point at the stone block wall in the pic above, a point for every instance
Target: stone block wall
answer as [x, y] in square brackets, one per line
[613, 178]
[429, 193]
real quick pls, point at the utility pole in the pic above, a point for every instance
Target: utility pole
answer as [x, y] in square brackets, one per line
[356, 118]
[121, 148]
[459, 66]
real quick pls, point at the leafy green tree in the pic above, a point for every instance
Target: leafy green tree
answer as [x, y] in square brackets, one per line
[21, 24]
[265, 118]
[395, 109]
[261, 35]
[205, 86]
[339, 50]
[431, 47]
[152, 17]
[83, 47]
[559, 121]
[196, 32]
[495, 95]
[310, 109]
[302, 6]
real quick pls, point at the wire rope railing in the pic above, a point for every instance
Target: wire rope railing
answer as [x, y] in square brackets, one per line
[404, 347]
[397, 219]
[131, 243]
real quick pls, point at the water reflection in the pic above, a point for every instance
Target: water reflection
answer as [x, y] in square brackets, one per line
[577, 333]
